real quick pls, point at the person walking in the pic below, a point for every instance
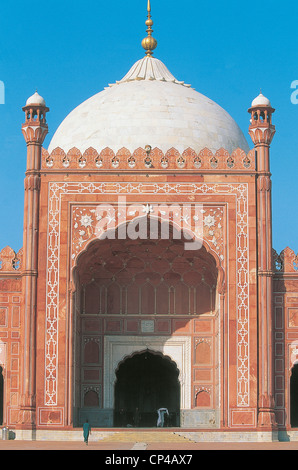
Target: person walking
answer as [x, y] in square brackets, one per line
[86, 431]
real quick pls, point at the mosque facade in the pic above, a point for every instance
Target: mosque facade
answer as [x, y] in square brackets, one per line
[147, 277]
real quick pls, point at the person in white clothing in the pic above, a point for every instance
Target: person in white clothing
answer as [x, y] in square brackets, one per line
[161, 417]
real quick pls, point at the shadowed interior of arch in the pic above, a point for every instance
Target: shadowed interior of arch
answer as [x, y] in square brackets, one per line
[294, 396]
[146, 382]
[1, 395]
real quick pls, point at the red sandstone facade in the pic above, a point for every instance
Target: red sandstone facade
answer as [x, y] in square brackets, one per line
[229, 311]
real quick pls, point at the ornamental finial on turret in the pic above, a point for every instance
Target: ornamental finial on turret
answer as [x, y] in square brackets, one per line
[149, 43]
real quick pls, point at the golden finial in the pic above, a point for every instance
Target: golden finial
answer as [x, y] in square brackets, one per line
[149, 43]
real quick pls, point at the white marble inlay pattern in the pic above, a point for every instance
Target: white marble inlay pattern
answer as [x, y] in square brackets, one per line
[59, 189]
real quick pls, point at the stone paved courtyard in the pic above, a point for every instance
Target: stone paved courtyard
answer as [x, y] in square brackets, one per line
[144, 441]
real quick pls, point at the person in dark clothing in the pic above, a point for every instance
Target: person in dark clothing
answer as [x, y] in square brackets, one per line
[86, 431]
[122, 418]
[137, 418]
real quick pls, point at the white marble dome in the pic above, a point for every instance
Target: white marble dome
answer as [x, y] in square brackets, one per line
[149, 107]
[260, 100]
[36, 99]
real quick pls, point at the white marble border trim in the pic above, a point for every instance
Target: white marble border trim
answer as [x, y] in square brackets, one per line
[177, 348]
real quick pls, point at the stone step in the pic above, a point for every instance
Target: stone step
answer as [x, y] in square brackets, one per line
[145, 437]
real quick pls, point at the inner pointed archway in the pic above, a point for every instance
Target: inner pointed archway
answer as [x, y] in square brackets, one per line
[146, 382]
[131, 295]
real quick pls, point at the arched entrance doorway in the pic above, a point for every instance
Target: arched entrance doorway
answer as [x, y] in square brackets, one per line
[294, 396]
[133, 295]
[146, 382]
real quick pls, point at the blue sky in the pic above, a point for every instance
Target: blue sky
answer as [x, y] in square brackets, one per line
[227, 50]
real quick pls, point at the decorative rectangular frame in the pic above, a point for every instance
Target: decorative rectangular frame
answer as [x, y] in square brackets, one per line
[58, 189]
